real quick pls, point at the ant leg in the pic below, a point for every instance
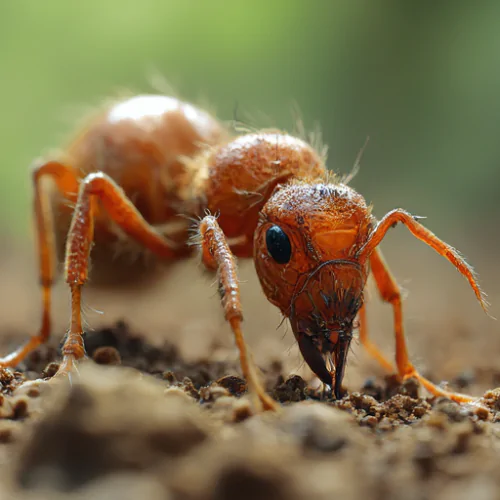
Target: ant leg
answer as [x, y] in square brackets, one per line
[427, 237]
[390, 292]
[217, 256]
[100, 187]
[370, 347]
[67, 184]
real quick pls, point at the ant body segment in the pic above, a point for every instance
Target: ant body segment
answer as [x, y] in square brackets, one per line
[312, 237]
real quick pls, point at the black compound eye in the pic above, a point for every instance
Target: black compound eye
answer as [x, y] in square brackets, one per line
[278, 245]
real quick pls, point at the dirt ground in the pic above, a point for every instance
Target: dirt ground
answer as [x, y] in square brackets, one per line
[160, 409]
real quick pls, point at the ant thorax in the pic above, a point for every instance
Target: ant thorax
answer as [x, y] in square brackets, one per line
[243, 173]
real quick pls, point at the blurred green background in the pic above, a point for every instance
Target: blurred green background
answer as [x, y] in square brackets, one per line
[420, 78]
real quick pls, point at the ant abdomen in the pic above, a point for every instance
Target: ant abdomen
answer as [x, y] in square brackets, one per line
[142, 143]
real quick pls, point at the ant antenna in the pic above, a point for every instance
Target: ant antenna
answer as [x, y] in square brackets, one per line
[235, 113]
[238, 124]
[355, 168]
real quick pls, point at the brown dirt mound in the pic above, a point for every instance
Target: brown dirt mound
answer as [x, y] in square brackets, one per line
[151, 425]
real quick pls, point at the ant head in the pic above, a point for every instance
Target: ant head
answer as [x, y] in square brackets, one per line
[304, 253]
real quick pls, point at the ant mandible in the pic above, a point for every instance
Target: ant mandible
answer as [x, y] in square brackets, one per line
[313, 238]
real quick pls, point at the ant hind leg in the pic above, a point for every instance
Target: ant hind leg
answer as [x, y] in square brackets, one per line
[67, 184]
[369, 346]
[100, 187]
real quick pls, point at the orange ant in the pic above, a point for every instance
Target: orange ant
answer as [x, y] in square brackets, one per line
[313, 238]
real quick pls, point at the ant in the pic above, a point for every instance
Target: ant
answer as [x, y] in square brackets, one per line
[313, 238]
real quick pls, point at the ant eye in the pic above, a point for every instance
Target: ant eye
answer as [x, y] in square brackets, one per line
[278, 245]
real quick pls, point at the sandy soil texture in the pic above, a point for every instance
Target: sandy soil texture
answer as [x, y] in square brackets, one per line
[160, 409]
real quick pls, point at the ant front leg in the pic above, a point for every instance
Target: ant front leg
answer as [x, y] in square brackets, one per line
[217, 256]
[390, 292]
[100, 187]
[429, 238]
[67, 184]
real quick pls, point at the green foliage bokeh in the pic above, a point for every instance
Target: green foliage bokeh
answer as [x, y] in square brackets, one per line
[420, 78]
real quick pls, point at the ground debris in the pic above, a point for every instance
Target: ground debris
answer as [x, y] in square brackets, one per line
[110, 421]
[142, 422]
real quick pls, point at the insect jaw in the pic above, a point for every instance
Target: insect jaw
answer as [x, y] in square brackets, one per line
[339, 356]
[325, 351]
[322, 314]
[311, 352]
